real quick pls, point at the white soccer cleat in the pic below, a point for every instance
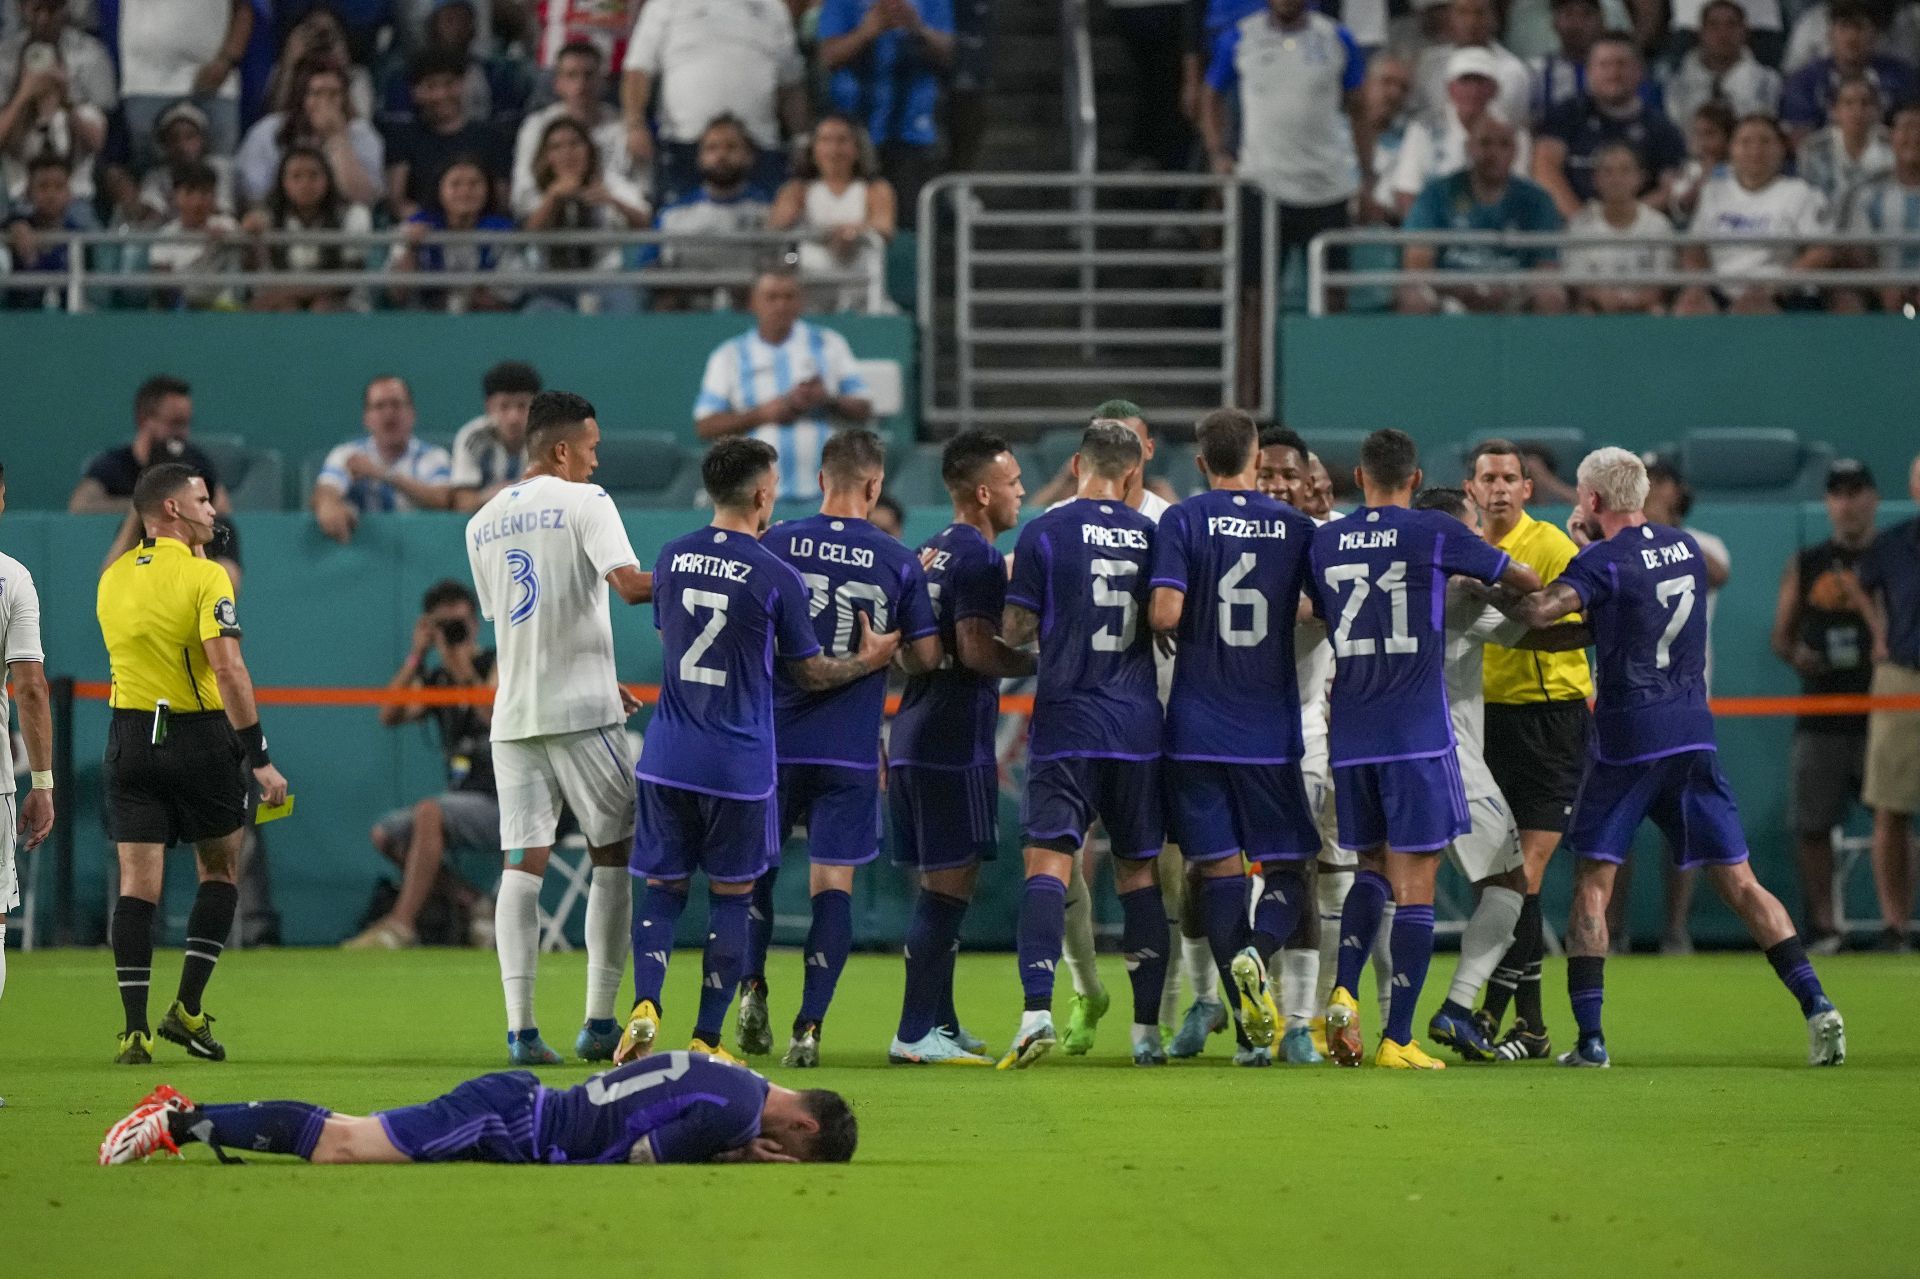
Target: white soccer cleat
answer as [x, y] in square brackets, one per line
[138, 1135]
[1826, 1039]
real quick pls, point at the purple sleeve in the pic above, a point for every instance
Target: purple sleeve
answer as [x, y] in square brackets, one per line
[978, 588]
[693, 1138]
[1311, 584]
[792, 628]
[1029, 585]
[1588, 576]
[916, 606]
[1170, 567]
[1469, 556]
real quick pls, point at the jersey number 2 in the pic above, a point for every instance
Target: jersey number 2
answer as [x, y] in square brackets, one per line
[690, 668]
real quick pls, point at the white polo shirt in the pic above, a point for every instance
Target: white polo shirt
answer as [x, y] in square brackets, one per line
[163, 43]
[716, 57]
[1433, 149]
[748, 370]
[1295, 139]
[1785, 206]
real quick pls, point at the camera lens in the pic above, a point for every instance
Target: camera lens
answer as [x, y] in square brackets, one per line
[455, 630]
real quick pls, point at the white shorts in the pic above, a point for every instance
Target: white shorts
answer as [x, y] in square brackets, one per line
[1318, 776]
[590, 771]
[9, 825]
[1492, 847]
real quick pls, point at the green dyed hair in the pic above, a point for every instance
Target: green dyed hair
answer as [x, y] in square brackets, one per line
[1119, 410]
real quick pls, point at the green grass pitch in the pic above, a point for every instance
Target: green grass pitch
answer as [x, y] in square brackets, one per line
[1709, 1149]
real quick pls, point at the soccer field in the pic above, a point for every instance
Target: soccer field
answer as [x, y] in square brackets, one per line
[1710, 1148]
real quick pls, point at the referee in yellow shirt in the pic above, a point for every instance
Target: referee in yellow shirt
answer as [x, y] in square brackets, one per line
[183, 722]
[1536, 737]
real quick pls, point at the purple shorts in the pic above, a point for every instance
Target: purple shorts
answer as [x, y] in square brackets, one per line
[1409, 805]
[1686, 795]
[1065, 796]
[678, 831]
[486, 1120]
[1217, 810]
[840, 808]
[944, 818]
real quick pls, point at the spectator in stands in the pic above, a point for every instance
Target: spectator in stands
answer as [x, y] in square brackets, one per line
[1890, 575]
[1754, 198]
[1853, 146]
[725, 201]
[784, 381]
[1485, 196]
[572, 193]
[738, 60]
[579, 90]
[1061, 487]
[319, 37]
[1560, 76]
[321, 119]
[490, 451]
[441, 132]
[56, 91]
[33, 227]
[1436, 147]
[603, 25]
[1810, 91]
[162, 425]
[182, 133]
[1896, 33]
[492, 90]
[462, 203]
[1157, 136]
[1709, 144]
[174, 49]
[889, 517]
[837, 201]
[1721, 68]
[306, 198]
[196, 211]
[1645, 235]
[387, 469]
[1611, 111]
[1888, 204]
[886, 58]
[1766, 33]
[465, 816]
[1472, 24]
[1819, 630]
[1385, 97]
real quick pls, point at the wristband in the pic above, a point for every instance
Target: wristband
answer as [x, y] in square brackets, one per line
[256, 743]
[43, 779]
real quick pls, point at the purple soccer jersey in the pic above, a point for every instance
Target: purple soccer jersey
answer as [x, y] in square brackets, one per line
[947, 717]
[686, 1106]
[1241, 559]
[1084, 568]
[849, 567]
[1379, 578]
[1644, 593]
[725, 606]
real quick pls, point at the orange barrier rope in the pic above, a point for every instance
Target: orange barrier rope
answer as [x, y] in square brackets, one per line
[1013, 704]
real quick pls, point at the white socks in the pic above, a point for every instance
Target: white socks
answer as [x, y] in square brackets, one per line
[1196, 957]
[3, 957]
[1489, 933]
[1293, 986]
[516, 936]
[1078, 943]
[1329, 895]
[609, 933]
[1383, 959]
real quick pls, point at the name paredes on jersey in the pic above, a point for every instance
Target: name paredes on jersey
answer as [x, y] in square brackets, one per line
[711, 566]
[552, 517]
[1369, 539]
[1241, 527]
[1661, 556]
[1133, 539]
[833, 552]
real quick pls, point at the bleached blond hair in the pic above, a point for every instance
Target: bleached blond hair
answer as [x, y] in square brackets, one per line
[1618, 477]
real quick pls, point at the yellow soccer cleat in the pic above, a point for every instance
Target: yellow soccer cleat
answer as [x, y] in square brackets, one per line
[1259, 1016]
[714, 1051]
[1343, 1028]
[1407, 1056]
[636, 1041]
[1317, 1028]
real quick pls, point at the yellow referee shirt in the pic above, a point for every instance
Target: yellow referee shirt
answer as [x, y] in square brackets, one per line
[157, 605]
[1516, 676]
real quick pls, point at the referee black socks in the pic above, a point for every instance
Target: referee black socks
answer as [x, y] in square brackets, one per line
[208, 928]
[133, 958]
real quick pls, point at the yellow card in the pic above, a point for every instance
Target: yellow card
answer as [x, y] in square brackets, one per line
[273, 812]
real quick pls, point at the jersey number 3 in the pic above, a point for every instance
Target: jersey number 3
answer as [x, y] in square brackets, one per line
[521, 575]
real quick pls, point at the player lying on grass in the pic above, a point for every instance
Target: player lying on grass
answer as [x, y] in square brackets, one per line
[669, 1108]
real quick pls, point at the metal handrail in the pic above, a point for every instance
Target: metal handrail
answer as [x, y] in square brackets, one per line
[1082, 107]
[1320, 279]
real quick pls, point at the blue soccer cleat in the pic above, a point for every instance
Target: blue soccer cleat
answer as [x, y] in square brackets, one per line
[1297, 1047]
[1462, 1034]
[1590, 1052]
[1249, 1055]
[967, 1040]
[527, 1049]
[1204, 1017]
[935, 1048]
[1148, 1052]
[597, 1045]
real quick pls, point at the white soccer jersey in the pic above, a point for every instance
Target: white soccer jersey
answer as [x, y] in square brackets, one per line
[540, 553]
[1471, 626]
[19, 642]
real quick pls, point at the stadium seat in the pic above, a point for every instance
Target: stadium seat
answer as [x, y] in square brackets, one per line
[647, 468]
[255, 478]
[1753, 463]
[914, 480]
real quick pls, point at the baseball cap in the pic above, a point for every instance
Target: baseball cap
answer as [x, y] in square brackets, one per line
[1849, 475]
[1472, 60]
[181, 110]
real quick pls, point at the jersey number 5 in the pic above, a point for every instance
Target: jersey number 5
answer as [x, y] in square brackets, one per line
[1394, 583]
[1107, 593]
[690, 668]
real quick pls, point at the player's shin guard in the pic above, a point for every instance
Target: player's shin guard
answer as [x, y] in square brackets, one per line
[653, 926]
[1223, 906]
[1359, 924]
[516, 936]
[1330, 888]
[1043, 922]
[1488, 934]
[929, 953]
[265, 1127]
[1789, 960]
[609, 928]
[1586, 989]
[1143, 939]
[208, 926]
[720, 968]
[829, 942]
[133, 957]
[1412, 943]
[760, 924]
[1277, 913]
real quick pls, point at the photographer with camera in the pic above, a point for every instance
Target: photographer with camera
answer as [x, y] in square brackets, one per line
[466, 815]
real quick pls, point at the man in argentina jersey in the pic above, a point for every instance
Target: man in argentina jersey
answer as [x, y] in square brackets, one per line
[828, 744]
[1379, 581]
[1643, 589]
[727, 608]
[1079, 586]
[943, 783]
[1228, 569]
[668, 1108]
[543, 553]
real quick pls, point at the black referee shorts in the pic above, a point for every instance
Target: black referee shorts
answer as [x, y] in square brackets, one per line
[191, 787]
[1537, 752]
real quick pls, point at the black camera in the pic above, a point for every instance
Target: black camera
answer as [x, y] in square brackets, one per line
[455, 630]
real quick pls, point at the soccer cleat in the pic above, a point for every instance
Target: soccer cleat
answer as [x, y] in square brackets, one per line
[804, 1052]
[1317, 1033]
[1030, 1046]
[715, 1051]
[1259, 1015]
[1083, 1018]
[142, 1132]
[1461, 1035]
[1407, 1056]
[1297, 1047]
[1590, 1052]
[934, 1049]
[596, 1045]
[530, 1050]
[1204, 1017]
[1252, 1056]
[1343, 1028]
[1148, 1052]
[1522, 1044]
[136, 1049]
[751, 1030]
[195, 1034]
[1826, 1038]
[636, 1041]
[1487, 1024]
[967, 1040]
